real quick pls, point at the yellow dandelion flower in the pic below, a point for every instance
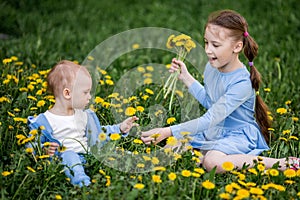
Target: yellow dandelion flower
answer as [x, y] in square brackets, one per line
[293, 138]
[171, 120]
[140, 108]
[115, 136]
[109, 82]
[155, 160]
[29, 150]
[145, 97]
[228, 166]
[62, 148]
[102, 136]
[290, 182]
[172, 176]
[186, 173]
[208, 185]
[282, 138]
[6, 61]
[58, 197]
[172, 141]
[225, 195]
[196, 175]
[31, 169]
[149, 91]
[288, 102]
[177, 156]
[43, 156]
[261, 167]
[170, 43]
[273, 172]
[253, 171]
[179, 93]
[102, 172]
[40, 103]
[140, 165]
[33, 132]
[295, 119]
[267, 89]
[271, 129]
[284, 132]
[137, 141]
[146, 158]
[281, 111]
[7, 173]
[199, 170]
[229, 188]
[135, 46]
[149, 68]
[241, 177]
[289, 173]
[257, 191]
[159, 168]
[141, 69]
[243, 193]
[139, 186]
[98, 100]
[130, 111]
[156, 179]
[148, 81]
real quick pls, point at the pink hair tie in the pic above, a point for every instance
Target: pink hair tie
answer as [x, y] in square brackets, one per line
[246, 34]
[250, 64]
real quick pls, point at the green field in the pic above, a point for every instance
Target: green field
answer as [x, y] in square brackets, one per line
[35, 35]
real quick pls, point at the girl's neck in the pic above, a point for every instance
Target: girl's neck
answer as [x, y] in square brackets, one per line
[229, 67]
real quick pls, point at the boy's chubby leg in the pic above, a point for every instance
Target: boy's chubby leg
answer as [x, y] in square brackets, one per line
[73, 162]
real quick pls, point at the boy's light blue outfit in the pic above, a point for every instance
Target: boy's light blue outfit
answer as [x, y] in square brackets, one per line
[71, 159]
[228, 125]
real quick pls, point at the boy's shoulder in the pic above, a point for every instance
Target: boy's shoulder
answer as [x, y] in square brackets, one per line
[35, 122]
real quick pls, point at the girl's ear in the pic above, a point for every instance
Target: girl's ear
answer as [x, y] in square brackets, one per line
[238, 47]
[67, 93]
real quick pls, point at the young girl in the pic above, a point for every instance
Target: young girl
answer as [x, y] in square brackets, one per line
[235, 126]
[68, 124]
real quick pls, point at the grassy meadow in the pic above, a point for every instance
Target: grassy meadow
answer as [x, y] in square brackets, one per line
[35, 35]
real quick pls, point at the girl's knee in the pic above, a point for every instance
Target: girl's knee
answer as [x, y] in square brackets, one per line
[213, 160]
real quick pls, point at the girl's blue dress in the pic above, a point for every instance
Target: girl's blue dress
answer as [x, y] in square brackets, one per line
[228, 125]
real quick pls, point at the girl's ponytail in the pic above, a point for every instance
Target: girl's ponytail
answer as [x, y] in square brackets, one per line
[261, 109]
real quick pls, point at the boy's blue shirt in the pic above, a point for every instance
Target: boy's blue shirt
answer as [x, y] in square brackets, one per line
[93, 129]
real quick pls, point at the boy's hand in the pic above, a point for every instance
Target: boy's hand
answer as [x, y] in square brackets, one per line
[128, 123]
[50, 150]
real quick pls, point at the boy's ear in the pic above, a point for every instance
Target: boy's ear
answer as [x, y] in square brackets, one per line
[67, 93]
[238, 47]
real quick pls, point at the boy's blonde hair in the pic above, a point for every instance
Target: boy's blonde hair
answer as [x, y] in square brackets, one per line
[63, 75]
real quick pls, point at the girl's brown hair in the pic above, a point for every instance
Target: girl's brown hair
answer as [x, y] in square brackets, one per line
[239, 31]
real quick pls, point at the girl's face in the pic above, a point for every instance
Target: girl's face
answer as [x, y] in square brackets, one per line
[81, 91]
[219, 48]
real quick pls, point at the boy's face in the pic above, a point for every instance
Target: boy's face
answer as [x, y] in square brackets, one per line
[81, 90]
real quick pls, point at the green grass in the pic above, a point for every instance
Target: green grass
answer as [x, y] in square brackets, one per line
[41, 33]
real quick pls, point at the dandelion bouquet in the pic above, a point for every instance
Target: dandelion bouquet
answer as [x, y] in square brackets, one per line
[183, 44]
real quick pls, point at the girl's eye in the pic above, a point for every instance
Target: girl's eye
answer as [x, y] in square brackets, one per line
[216, 45]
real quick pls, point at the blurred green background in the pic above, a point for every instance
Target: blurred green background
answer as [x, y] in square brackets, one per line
[44, 32]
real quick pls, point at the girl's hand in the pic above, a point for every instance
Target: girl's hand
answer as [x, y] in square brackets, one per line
[50, 150]
[184, 75]
[128, 123]
[155, 135]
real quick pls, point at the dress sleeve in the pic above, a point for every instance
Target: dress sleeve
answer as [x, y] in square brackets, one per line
[199, 93]
[235, 95]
